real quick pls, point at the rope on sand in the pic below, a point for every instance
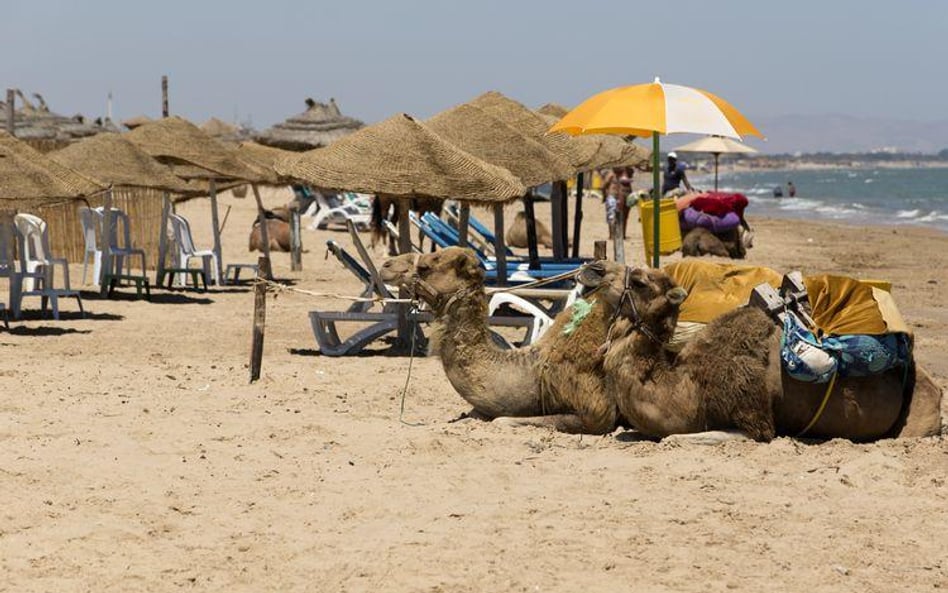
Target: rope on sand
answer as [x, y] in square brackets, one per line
[281, 288]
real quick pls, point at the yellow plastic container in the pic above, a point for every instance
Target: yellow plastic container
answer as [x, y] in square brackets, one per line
[880, 284]
[669, 231]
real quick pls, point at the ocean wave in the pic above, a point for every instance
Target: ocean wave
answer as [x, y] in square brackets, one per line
[907, 213]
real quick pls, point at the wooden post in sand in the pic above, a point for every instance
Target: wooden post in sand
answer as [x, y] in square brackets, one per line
[264, 235]
[296, 241]
[259, 317]
[464, 217]
[599, 250]
[578, 217]
[618, 241]
[11, 98]
[216, 230]
[163, 240]
[500, 250]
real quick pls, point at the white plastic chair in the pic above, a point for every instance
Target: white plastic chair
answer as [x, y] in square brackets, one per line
[91, 223]
[338, 213]
[543, 321]
[37, 266]
[187, 251]
[121, 252]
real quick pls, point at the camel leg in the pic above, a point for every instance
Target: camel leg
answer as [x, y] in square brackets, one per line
[711, 437]
[559, 422]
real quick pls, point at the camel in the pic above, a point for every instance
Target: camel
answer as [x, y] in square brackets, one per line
[380, 212]
[555, 383]
[730, 377]
[700, 241]
[278, 231]
[517, 233]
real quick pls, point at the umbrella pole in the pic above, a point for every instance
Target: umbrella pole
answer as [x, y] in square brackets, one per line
[531, 222]
[105, 266]
[163, 240]
[716, 155]
[578, 216]
[656, 199]
[216, 228]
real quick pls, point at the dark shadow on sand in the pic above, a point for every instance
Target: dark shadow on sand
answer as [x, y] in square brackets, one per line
[46, 330]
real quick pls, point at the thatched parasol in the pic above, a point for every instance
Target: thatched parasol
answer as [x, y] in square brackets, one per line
[111, 159]
[139, 120]
[402, 157]
[223, 132]
[488, 138]
[532, 125]
[320, 125]
[605, 150]
[75, 183]
[25, 183]
[554, 109]
[34, 121]
[263, 156]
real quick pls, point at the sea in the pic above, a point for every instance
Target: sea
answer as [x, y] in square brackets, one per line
[870, 196]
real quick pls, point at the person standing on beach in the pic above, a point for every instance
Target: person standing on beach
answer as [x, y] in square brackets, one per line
[675, 175]
[611, 199]
[791, 189]
[623, 176]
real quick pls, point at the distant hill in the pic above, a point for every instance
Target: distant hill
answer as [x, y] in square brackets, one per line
[845, 133]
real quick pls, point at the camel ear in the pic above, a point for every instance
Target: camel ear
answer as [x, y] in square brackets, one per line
[592, 274]
[677, 295]
[468, 266]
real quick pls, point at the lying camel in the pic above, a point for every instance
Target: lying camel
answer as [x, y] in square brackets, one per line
[517, 233]
[700, 241]
[278, 232]
[556, 382]
[730, 376]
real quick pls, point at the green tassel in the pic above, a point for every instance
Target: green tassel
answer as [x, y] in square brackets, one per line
[581, 309]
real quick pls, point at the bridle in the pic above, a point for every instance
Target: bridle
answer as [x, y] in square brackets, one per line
[638, 324]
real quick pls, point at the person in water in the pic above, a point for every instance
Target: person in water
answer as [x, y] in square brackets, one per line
[791, 189]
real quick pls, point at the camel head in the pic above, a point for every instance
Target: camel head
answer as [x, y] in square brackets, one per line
[399, 270]
[435, 277]
[646, 297]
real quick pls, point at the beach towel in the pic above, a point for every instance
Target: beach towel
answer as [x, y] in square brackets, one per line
[720, 203]
[691, 218]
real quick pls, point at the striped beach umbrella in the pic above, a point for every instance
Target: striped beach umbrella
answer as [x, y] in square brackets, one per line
[654, 109]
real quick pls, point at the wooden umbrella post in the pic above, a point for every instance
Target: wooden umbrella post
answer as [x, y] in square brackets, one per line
[464, 218]
[165, 111]
[531, 221]
[578, 217]
[259, 317]
[500, 250]
[558, 221]
[296, 240]
[163, 239]
[105, 267]
[216, 230]
[264, 235]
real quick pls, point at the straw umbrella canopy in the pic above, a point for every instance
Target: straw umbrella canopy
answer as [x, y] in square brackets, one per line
[265, 157]
[139, 120]
[69, 183]
[320, 125]
[111, 159]
[401, 157]
[490, 139]
[192, 153]
[35, 121]
[25, 183]
[717, 145]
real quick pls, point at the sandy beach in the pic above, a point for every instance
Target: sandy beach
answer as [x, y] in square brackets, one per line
[135, 455]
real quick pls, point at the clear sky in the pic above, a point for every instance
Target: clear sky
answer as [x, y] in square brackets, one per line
[261, 59]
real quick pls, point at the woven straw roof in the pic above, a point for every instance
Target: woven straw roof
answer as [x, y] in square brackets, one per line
[34, 121]
[176, 142]
[532, 125]
[320, 125]
[402, 157]
[75, 182]
[608, 150]
[133, 122]
[224, 132]
[488, 138]
[112, 159]
[28, 178]
[554, 109]
[263, 156]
